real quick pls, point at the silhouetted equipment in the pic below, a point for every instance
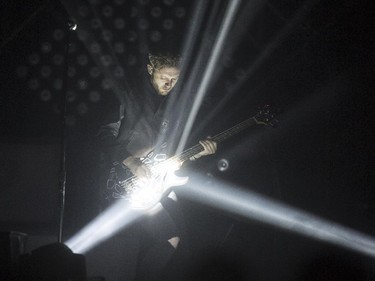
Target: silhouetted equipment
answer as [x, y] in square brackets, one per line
[53, 262]
[12, 246]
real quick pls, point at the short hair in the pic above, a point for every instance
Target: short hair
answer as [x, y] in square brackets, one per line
[159, 61]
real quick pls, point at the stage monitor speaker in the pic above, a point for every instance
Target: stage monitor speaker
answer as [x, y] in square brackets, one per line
[53, 262]
[12, 246]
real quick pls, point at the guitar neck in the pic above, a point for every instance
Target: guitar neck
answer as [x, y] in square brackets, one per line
[185, 155]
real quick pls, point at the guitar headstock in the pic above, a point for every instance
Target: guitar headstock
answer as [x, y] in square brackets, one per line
[266, 116]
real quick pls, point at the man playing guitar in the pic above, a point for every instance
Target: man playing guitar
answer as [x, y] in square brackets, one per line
[141, 128]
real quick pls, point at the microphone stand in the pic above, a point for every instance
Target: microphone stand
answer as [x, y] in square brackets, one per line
[62, 178]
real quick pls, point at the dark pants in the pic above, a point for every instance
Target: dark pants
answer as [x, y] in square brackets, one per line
[156, 252]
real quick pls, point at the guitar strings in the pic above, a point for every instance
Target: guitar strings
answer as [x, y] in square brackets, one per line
[133, 180]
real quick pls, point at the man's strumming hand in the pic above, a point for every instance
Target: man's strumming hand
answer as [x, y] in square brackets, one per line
[138, 169]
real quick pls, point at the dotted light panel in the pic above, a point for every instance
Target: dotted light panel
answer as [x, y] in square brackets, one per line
[110, 45]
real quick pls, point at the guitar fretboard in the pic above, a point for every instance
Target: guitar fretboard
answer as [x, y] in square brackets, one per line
[185, 155]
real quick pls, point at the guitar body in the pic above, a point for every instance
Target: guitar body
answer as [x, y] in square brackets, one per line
[122, 184]
[115, 189]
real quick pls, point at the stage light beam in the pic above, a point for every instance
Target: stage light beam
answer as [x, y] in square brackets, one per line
[116, 218]
[217, 49]
[256, 207]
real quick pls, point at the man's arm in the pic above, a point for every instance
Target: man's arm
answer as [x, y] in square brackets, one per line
[113, 148]
[111, 145]
[116, 151]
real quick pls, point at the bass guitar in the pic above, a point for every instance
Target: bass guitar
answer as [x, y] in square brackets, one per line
[122, 184]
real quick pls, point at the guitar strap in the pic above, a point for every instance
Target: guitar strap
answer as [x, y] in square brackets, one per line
[159, 153]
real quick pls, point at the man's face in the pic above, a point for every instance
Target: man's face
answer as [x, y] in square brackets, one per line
[163, 80]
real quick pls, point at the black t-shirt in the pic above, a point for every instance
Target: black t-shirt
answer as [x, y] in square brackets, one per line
[143, 124]
[150, 122]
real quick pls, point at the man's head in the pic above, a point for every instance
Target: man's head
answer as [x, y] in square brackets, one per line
[164, 71]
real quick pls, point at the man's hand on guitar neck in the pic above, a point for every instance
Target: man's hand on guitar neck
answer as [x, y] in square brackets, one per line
[140, 170]
[209, 148]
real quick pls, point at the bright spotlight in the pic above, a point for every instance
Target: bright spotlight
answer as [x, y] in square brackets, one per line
[143, 193]
[142, 200]
[146, 195]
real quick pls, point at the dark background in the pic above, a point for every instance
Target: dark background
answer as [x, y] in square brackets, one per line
[311, 59]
